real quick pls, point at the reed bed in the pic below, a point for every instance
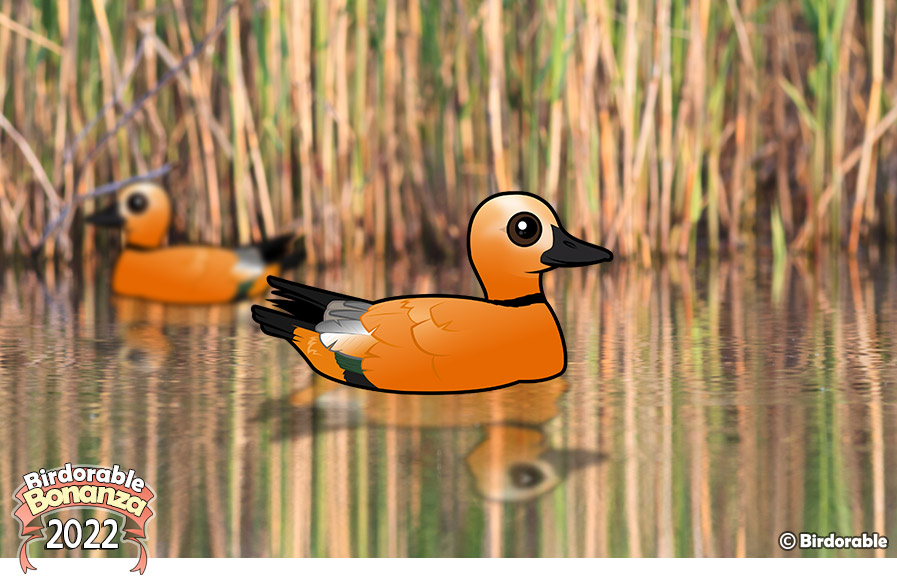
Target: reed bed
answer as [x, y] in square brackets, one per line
[731, 402]
[655, 127]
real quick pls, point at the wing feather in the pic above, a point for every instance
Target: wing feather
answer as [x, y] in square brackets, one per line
[342, 331]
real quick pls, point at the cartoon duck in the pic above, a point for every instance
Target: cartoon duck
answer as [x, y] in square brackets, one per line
[513, 461]
[188, 274]
[439, 343]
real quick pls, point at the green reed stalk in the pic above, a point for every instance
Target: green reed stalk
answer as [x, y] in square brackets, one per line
[548, 95]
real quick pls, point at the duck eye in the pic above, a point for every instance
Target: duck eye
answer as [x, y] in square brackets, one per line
[524, 229]
[137, 203]
[525, 476]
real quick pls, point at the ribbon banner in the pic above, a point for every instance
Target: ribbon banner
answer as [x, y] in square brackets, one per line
[82, 486]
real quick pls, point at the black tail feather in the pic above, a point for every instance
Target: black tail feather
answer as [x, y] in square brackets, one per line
[306, 304]
[275, 249]
[297, 291]
[292, 260]
[277, 324]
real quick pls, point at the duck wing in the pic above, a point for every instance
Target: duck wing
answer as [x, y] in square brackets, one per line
[335, 319]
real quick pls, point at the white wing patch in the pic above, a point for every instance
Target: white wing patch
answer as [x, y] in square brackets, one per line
[342, 323]
[250, 264]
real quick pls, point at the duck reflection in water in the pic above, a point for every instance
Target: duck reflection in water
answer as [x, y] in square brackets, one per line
[146, 329]
[514, 461]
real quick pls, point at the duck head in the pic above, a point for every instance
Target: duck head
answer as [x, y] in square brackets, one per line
[142, 210]
[514, 237]
[517, 464]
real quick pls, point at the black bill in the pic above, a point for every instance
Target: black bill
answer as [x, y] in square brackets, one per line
[108, 217]
[568, 251]
[566, 461]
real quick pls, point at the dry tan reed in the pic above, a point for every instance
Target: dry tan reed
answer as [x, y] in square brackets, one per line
[656, 127]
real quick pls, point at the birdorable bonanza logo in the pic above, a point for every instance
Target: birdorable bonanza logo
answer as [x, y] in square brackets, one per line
[114, 489]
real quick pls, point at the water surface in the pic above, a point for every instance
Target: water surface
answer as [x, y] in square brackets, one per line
[706, 408]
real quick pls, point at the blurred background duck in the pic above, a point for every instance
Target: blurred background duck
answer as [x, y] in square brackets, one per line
[184, 274]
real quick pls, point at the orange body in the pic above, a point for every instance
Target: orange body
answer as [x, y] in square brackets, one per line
[188, 275]
[445, 344]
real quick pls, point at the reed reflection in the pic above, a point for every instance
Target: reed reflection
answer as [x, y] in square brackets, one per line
[707, 407]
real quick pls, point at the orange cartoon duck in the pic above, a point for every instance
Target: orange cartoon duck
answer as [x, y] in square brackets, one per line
[446, 344]
[182, 274]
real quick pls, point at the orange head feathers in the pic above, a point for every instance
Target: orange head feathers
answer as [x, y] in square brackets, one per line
[444, 344]
[514, 237]
[143, 211]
